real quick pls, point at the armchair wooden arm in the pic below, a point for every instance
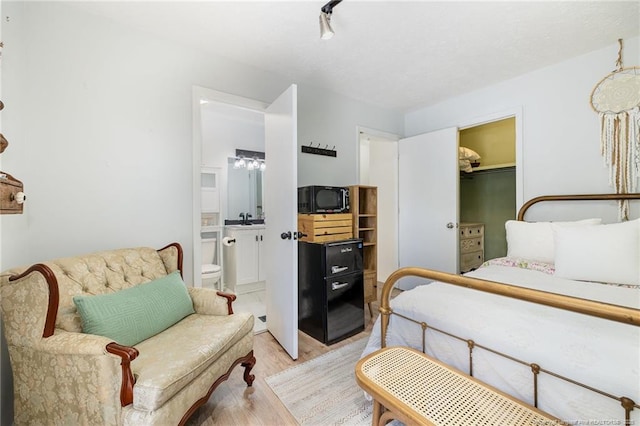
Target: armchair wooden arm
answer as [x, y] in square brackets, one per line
[127, 354]
[230, 299]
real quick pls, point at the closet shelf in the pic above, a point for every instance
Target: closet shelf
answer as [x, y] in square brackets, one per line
[494, 166]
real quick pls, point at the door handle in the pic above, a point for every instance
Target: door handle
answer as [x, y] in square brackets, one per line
[297, 235]
[286, 235]
[450, 225]
[338, 285]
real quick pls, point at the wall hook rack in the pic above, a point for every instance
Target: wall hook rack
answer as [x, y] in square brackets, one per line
[320, 151]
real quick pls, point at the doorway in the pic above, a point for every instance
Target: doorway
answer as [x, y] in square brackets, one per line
[223, 129]
[276, 255]
[429, 194]
[378, 166]
[488, 189]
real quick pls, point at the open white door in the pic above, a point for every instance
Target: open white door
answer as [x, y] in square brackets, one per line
[428, 182]
[281, 254]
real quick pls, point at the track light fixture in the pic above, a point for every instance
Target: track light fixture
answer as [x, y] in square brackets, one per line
[326, 32]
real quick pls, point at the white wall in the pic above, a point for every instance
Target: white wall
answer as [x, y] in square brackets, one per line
[226, 128]
[561, 138]
[330, 119]
[102, 132]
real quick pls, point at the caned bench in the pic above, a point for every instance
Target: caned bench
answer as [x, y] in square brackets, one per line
[414, 388]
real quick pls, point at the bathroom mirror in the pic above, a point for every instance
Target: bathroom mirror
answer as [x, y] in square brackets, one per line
[244, 192]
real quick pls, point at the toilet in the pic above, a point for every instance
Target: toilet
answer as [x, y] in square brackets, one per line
[211, 273]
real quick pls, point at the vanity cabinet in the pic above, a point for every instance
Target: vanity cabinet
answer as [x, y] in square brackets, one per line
[244, 258]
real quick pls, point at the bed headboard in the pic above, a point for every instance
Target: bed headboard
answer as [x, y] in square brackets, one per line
[583, 197]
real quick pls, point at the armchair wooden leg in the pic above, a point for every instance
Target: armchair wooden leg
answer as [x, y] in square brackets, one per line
[248, 364]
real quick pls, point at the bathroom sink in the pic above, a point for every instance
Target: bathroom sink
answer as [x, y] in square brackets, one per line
[240, 223]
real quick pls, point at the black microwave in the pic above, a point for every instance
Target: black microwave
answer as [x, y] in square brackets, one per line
[323, 199]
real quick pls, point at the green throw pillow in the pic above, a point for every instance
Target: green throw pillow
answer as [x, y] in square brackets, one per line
[132, 315]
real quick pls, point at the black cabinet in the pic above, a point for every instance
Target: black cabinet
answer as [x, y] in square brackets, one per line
[330, 289]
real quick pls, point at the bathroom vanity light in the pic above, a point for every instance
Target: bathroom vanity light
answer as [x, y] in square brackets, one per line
[239, 163]
[251, 160]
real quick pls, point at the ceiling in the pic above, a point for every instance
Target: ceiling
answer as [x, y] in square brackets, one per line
[394, 54]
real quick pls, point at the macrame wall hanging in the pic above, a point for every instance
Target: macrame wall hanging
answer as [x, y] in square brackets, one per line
[616, 99]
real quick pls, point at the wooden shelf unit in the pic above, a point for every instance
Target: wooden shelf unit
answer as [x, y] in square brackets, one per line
[364, 208]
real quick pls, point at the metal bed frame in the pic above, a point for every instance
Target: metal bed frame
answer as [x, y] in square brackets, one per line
[606, 311]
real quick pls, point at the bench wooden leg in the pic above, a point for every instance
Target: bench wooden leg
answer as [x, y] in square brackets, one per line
[377, 413]
[387, 417]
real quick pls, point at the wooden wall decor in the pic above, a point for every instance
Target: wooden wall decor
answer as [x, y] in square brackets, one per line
[616, 99]
[12, 197]
[4, 143]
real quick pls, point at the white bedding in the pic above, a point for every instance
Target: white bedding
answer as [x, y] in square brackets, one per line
[594, 351]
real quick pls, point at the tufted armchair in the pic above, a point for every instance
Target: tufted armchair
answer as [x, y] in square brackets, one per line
[64, 376]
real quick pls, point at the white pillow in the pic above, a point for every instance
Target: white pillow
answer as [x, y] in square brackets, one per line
[535, 240]
[604, 253]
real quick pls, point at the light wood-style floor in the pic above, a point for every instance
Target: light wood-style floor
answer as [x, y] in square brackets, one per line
[233, 403]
